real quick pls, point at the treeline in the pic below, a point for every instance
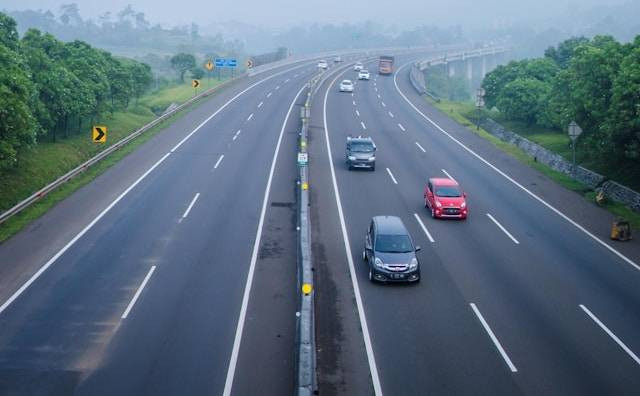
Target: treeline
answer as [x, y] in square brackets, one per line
[126, 32]
[49, 88]
[595, 82]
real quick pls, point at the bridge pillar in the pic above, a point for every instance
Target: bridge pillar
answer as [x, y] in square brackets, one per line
[484, 66]
[451, 69]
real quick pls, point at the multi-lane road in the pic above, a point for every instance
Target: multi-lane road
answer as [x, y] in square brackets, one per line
[175, 271]
[521, 298]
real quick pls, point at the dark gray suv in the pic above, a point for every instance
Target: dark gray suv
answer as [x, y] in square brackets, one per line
[361, 153]
[390, 252]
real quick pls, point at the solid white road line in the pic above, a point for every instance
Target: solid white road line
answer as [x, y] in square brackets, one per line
[391, 114]
[193, 202]
[401, 127]
[357, 113]
[269, 94]
[424, 228]
[493, 337]
[375, 378]
[391, 175]
[362, 124]
[610, 334]
[420, 147]
[503, 229]
[384, 104]
[135, 296]
[66, 247]
[254, 256]
[260, 104]
[448, 175]
[250, 117]
[219, 160]
[513, 181]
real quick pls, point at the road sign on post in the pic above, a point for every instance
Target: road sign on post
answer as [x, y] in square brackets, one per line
[99, 134]
[574, 131]
[209, 65]
[249, 63]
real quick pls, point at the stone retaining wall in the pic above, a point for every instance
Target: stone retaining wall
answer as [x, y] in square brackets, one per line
[612, 190]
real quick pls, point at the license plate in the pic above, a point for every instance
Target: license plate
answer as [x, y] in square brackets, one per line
[398, 276]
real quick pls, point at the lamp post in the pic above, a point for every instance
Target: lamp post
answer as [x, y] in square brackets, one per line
[574, 131]
[479, 104]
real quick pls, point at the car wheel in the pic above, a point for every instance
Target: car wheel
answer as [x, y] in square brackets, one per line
[364, 256]
[371, 275]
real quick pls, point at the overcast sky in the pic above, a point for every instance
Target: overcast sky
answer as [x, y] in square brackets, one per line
[280, 13]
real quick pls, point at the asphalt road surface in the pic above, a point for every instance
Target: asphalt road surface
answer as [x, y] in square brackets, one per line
[175, 271]
[527, 296]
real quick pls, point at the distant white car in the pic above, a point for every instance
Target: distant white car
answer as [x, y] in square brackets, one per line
[346, 86]
[323, 64]
[363, 74]
[337, 59]
[358, 66]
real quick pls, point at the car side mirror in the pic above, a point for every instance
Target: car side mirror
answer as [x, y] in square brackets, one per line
[418, 248]
[464, 195]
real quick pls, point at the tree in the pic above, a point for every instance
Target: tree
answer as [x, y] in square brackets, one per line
[495, 81]
[8, 32]
[522, 99]
[197, 73]
[183, 62]
[562, 54]
[17, 125]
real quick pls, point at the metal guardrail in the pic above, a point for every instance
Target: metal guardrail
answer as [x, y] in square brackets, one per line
[460, 55]
[122, 142]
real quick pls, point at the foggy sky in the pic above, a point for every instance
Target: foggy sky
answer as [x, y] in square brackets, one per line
[284, 13]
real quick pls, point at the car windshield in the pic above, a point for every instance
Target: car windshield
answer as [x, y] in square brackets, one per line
[346, 82]
[361, 147]
[393, 244]
[448, 191]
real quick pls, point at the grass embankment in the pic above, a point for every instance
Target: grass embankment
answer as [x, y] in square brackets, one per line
[46, 161]
[465, 114]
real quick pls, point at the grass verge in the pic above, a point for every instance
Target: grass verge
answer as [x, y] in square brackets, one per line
[48, 161]
[463, 113]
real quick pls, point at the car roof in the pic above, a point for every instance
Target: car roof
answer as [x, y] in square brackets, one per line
[360, 139]
[390, 225]
[443, 181]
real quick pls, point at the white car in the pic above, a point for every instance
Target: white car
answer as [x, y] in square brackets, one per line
[358, 66]
[337, 59]
[346, 86]
[323, 64]
[363, 74]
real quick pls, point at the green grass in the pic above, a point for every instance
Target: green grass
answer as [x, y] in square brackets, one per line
[464, 113]
[46, 161]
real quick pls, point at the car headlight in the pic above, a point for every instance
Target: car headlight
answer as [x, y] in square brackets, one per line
[372, 158]
[414, 263]
[378, 262]
[438, 204]
[352, 158]
[463, 205]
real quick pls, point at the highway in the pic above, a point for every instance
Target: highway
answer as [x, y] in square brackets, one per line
[518, 299]
[175, 271]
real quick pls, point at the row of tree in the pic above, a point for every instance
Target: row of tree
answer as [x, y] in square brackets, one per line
[595, 82]
[49, 88]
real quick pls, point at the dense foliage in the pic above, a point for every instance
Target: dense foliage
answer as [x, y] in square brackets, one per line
[48, 87]
[594, 82]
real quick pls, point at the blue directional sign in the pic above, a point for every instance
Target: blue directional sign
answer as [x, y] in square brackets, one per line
[226, 62]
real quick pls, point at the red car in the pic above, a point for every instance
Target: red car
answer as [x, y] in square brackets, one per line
[445, 199]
